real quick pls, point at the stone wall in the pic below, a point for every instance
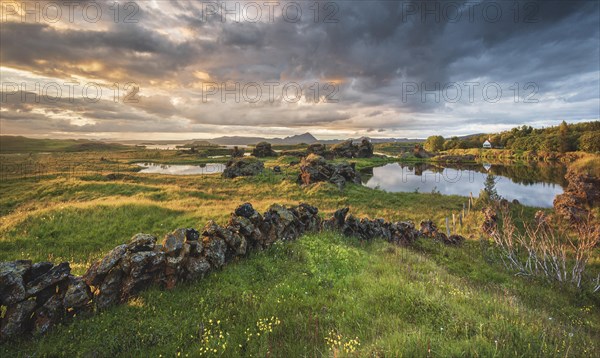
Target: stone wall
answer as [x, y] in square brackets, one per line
[38, 296]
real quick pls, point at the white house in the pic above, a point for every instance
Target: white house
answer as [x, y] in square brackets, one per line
[487, 144]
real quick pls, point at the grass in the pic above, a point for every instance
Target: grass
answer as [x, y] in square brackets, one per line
[587, 165]
[83, 234]
[393, 301]
[427, 300]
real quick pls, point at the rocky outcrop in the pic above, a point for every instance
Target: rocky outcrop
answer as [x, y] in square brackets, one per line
[245, 166]
[318, 149]
[581, 194]
[236, 152]
[315, 168]
[365, 149]
[263, 150]
[419, 152]
[38, 296]
[345, 149]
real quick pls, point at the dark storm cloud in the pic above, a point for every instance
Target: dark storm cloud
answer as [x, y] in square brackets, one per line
[372, 51]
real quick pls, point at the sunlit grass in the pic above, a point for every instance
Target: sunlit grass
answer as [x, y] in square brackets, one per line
[327, 293]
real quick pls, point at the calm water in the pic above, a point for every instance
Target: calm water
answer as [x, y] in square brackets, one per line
[173, 169]
[533, 186]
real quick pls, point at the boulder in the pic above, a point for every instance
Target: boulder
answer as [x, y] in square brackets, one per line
[365, 149]
[12, 284]
[308, 216]
[454, 240]
[428, 229]
[173, 243]
[246, 210]
[141, 242]
[53, 276]
[237, 152]
[38, 269]
[345, 149]
[196, 267]
[243, 167]
[17, 319]
[317, 148]
[419, 152]
[78, 295]
[109, 291]
[214, 249]
[49, 314]
[236, 243]
[315, 168]
[141, 271]
[279, 223]
[263, 149]
[98, 271]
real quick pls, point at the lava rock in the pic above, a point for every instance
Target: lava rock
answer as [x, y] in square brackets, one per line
[78, 295]
[109, 292]
[141, 242]
[316, 169]
[173, 243]
[428, 228]
[317, 148]
[243, 167]
[263, 149]
[98, 271]
[17, 320]
[345, 149]
[365, 149]
[237, 152]
[196, 267]
[12, 285]
[215, 251]
[55, 275]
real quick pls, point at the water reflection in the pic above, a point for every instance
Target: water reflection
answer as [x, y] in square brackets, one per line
[534, 185]
[172, 169]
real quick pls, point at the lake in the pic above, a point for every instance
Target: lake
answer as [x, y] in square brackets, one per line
[535, 185]
[177, 169]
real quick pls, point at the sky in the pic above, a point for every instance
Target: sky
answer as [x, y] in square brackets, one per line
[173, 69]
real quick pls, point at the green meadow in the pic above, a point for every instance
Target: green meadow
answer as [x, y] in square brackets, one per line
[323, 295]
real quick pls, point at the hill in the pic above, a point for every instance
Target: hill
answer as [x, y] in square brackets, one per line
[19, 144]
[238, 140]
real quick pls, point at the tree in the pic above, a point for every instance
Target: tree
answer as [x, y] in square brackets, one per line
[434, 143]
[590, 141]
[563, 131]
[490, 188]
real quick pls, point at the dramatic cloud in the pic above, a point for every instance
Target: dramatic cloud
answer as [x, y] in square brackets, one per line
[194, 69]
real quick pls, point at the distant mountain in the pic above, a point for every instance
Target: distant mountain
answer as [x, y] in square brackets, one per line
[236, 140]
[291, 140]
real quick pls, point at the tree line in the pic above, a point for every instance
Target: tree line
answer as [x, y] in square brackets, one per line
[562, 138]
